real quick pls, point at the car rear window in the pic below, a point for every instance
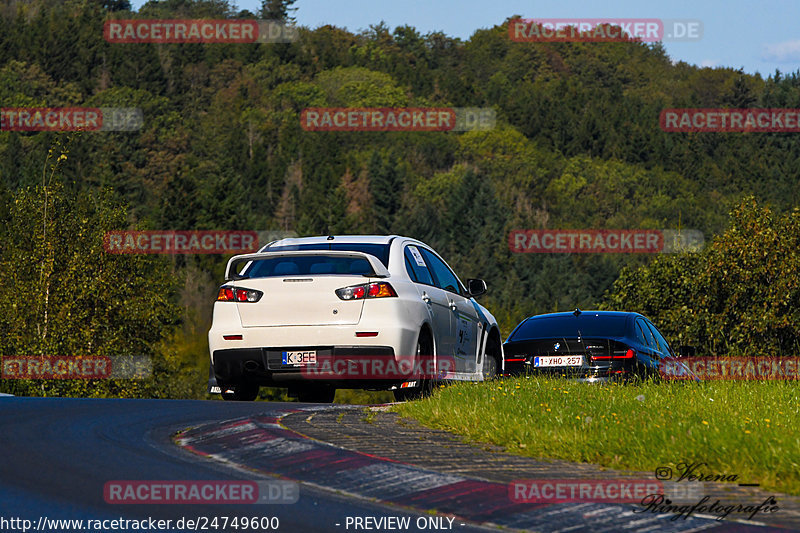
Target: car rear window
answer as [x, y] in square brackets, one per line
[308, 265]
[585, 325]
[381, 251]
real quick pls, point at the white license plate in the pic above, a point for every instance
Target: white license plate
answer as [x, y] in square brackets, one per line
[559, 360]
[299, 358]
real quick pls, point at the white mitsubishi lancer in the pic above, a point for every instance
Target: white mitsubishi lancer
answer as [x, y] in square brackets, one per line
[371, 312]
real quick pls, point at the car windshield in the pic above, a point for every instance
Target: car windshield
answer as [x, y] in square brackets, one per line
[308, 265]
[381, 251]
[589, 325]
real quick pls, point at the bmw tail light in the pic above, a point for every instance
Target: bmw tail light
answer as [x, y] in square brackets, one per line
[630, 354]
[238, 294]
[379, 289]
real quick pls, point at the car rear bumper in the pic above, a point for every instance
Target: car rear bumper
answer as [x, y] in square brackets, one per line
[606, 372]
[353, 366]
[400, 335]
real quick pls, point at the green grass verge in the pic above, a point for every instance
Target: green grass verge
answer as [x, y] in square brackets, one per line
[746, 428]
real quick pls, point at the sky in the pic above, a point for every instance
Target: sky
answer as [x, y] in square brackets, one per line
[756, 36]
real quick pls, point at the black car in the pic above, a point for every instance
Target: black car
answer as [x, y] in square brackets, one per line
[588, 345]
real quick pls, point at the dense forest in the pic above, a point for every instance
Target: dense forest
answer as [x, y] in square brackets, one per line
[577, 144]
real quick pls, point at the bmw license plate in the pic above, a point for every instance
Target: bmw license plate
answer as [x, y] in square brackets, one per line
[559, 360]
[299, 358]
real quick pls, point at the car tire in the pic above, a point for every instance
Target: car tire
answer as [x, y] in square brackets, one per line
[425, 386]
[242, 392]
[489, 367]
[492, 356]
[317, 394]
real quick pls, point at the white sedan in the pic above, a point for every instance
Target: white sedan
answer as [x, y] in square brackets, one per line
[372, 312]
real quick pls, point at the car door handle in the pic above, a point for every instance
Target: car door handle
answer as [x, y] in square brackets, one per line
[426, 298]
[453, 305]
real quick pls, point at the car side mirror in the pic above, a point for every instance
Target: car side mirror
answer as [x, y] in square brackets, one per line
[476, 287]
[687, 351]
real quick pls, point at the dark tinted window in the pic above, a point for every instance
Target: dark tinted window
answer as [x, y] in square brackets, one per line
[445, 279]
[569, 326]
[416, 266]
[648, 335]
[639, 330]
[381, 251]
[663, 345]
[312, 265]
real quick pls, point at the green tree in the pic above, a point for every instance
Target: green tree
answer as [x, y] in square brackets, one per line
[69, 297]
[385, 186]
[740, 296]
[277, 10]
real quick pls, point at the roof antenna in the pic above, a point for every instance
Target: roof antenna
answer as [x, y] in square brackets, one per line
[576, 312]
[330, 237]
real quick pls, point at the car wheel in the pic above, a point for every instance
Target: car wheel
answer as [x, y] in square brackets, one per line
[424, 386]
[492, 357]
[243, 392]
[318, 394]
[489, 367]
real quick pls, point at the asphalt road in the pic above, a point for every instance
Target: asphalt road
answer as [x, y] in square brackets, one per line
[56, 455]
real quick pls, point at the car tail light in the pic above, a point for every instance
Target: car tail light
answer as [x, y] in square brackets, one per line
[237, 294]
[630, 354]
[379, 289]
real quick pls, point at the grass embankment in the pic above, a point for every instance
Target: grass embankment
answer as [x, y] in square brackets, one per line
[746, 428]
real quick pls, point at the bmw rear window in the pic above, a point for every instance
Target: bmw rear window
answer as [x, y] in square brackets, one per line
[585, 325]
[381, 251]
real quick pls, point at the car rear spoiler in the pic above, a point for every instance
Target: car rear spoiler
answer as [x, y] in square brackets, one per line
[231, 270]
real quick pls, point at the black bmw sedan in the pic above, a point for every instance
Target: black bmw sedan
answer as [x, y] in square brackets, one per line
[588, 345]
